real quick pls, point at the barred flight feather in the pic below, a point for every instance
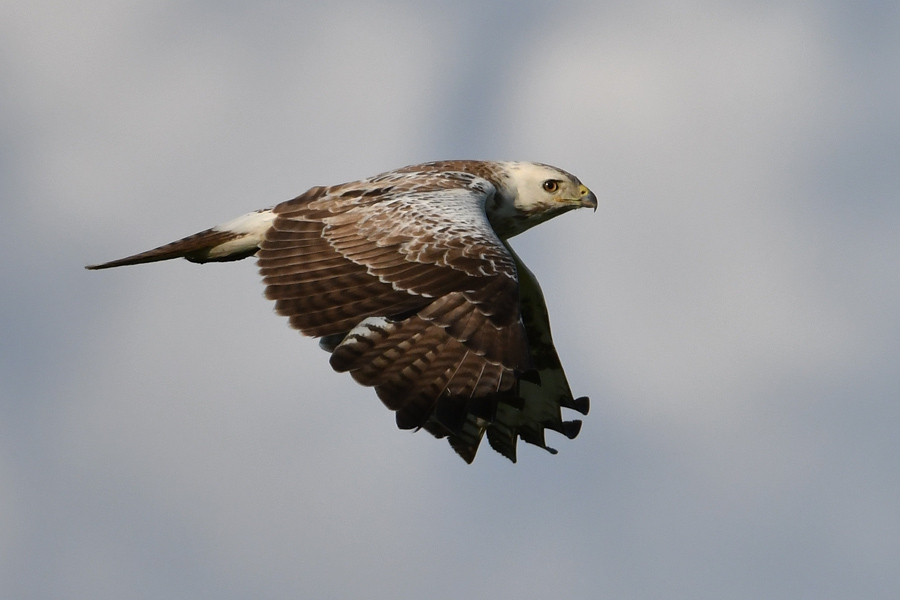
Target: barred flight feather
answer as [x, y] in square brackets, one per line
[409, 281]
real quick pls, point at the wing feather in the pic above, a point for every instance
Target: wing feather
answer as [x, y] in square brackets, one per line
[421, 240]
[414, 294]
[422, 301]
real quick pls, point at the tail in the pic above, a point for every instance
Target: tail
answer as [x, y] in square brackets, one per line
[233, 240]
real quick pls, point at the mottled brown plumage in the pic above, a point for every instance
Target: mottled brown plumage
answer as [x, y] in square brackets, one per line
[407, 279]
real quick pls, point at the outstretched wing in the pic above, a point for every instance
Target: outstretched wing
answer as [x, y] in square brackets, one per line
[530, 406]
[408, 283]
[541, 396]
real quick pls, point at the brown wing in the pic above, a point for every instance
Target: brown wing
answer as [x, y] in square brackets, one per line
[529, 407]
[414, 251]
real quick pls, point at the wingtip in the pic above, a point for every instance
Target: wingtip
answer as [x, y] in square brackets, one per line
[116, 263]
[582, 405]
[218, 244]
[571, 429]
[98, 267]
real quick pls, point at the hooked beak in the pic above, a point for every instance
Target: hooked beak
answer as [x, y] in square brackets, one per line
[588, 199]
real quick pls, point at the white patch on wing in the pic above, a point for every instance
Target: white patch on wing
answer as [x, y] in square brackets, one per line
[251, 228]
[434, 223]
[424, 244]
[370, 329]
[257, 222]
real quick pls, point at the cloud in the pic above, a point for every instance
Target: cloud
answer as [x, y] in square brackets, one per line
[729, 307]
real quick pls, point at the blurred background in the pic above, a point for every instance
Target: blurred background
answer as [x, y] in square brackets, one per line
[731, 308]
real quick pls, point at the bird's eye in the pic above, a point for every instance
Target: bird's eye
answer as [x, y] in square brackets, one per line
[551, 185]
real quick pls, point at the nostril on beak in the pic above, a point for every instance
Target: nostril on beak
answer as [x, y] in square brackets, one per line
[588, 199]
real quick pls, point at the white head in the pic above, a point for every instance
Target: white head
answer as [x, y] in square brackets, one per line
[531, 193]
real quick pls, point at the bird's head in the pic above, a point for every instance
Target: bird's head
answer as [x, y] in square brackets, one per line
[532, 193]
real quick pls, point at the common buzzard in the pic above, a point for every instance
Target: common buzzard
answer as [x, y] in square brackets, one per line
[408, 281]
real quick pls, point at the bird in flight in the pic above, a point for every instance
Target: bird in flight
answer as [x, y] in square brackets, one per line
[408, 280]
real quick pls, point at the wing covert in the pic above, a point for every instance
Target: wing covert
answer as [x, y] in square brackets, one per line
[417, 253]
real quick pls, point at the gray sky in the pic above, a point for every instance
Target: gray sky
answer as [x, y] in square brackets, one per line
[731, 308]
